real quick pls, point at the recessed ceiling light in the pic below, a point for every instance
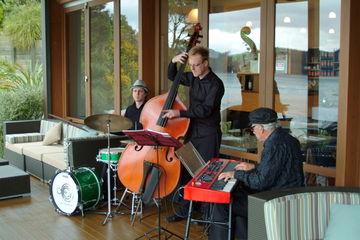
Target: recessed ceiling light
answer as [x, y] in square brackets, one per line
[287, 20]
[331, 30]
[249, 24]
[332, 14]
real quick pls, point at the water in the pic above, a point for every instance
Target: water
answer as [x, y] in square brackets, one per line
[293, 90]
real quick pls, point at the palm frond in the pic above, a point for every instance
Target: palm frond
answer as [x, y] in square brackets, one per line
[14, 76]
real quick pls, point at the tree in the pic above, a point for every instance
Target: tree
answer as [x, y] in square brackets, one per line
[1, 14]
[22, 22]
[129, 60]
[178, 31]
[178, 9]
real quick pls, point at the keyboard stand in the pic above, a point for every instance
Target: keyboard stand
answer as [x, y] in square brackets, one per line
[190, 220]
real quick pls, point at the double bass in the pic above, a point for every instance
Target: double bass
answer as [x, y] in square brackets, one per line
[131, 164]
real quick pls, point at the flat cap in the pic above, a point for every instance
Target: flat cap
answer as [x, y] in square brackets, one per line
[262, 116]
[141, 84]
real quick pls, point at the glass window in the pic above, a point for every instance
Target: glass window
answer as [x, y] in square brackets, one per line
[91, 56]
[75, 64]
[307, 45]
[129, 54]
[234, 43]
[182, 15]
[102, 57]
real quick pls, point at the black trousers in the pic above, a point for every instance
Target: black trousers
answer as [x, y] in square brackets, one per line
[239, 216]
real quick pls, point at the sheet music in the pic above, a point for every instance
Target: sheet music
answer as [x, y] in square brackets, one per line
[147, 137]
[190, 158]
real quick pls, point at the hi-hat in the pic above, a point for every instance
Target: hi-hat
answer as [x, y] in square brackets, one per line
[99, 122]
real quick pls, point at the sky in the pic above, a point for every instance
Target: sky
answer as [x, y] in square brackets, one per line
[129, 9]
[224, 28]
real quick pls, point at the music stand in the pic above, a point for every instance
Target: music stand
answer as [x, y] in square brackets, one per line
[153, 138]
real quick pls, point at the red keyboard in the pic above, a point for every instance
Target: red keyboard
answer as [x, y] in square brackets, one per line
[205, 186]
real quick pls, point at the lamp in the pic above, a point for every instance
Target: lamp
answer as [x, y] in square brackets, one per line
[192, 17]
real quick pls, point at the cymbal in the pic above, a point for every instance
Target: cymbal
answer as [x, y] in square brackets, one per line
[99, 122]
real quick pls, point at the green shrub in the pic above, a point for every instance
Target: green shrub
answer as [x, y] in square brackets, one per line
[14, 76]
[22, 104]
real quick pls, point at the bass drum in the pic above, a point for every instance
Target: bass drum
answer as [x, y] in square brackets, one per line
[76, 190]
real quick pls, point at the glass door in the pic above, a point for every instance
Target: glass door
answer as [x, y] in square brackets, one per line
[234, 43]
[75, 22]
[90, 59]
[307, 46]
[102, 58]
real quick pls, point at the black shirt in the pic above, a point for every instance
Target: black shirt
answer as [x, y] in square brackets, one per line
[280, 167]
[133, 113]
[204, 102]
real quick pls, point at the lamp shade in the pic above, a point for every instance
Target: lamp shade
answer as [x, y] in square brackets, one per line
[192, 17]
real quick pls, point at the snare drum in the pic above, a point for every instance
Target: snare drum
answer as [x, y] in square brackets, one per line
[75, 191]
[114, 155]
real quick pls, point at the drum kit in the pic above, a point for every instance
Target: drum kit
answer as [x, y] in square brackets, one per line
[76, 190]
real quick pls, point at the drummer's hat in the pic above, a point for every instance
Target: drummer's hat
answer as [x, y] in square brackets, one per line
[141, 84]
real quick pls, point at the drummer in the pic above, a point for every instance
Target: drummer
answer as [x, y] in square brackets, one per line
[139, 94]
[139, 91]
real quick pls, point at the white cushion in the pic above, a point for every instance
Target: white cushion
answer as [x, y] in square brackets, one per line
[55, 159]
[18, 147]
[53, 135]
[37, 152]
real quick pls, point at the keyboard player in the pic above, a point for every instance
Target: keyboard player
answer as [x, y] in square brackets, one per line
[280, 167]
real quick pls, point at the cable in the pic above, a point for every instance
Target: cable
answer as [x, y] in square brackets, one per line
[173, 201]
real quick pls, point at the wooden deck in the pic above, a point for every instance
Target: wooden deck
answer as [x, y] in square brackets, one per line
[35, 217]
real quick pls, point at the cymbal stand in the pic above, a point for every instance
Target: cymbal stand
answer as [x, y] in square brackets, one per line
[115, 200]
[108, 213]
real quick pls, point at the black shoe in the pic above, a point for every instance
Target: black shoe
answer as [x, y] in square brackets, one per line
[174, 218]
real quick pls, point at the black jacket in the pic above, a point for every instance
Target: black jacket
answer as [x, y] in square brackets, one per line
[280, 166]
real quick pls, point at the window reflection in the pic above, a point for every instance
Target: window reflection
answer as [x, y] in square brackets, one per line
[102, 57]
[182, 15]
[234, 43]
[129, 52]
[75, 66]
[306, 73]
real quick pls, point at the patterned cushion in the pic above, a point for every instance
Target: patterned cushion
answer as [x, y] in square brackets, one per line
[24, 137]
[45, 125]
[71, 131]
[304, 215]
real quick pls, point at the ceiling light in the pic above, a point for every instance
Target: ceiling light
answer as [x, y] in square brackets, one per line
[287, 20]
[249, 24]
[332, 14]
[331, 30]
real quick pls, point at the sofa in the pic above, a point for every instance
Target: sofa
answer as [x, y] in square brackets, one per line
[67, 146]
[302, 213]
